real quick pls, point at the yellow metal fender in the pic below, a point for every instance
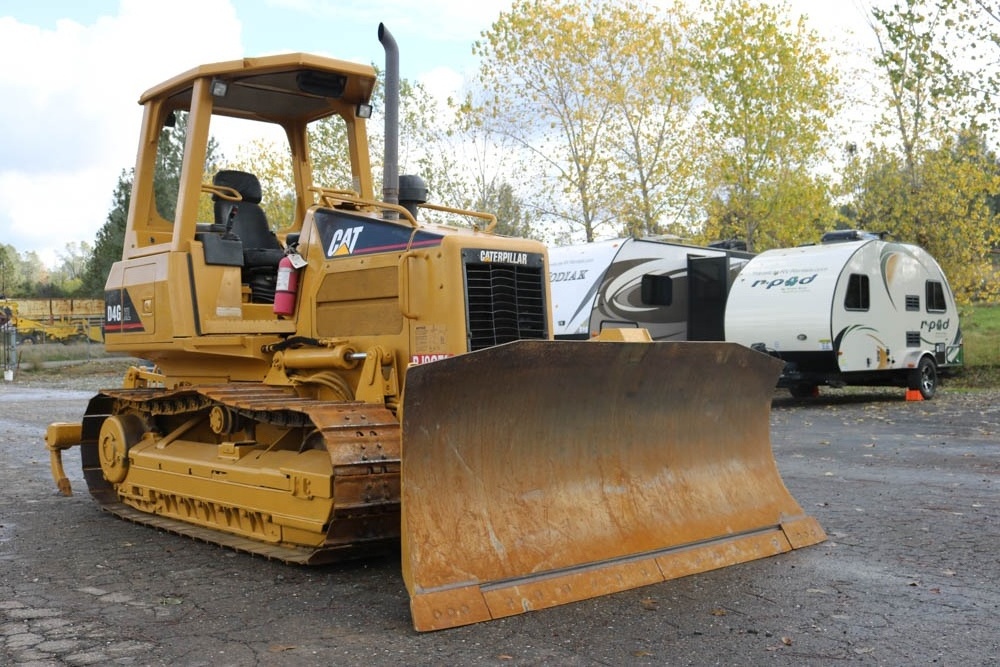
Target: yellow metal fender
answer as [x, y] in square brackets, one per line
[544, 472]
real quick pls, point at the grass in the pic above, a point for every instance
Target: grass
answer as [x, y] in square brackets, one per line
[981, 331]
[45, 352]
[982, 336]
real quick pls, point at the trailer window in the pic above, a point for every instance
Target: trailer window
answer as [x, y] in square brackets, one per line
[935, 297]
[657, 290]
[857, 292]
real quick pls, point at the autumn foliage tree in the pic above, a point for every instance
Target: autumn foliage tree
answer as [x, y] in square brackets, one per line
[652, 140]
[709, 120]
[110, 240]
[643, 122]
[931, 177]
[769, 92]
[542, 73]
[597, 96]
[10, 278]
[428, 148]
[921, 82]
[271, 162]
[107, 248]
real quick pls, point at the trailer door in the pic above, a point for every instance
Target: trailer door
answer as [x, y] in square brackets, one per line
[708, 285]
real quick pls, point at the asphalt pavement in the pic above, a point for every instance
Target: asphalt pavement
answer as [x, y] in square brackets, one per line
[910, 574]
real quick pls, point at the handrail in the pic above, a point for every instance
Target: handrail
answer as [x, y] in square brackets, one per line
[404, 282]
[461, 211]
[329, 197]
[223, 191]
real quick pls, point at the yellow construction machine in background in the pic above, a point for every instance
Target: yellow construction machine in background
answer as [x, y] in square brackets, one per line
[55, 320]
[364, 380]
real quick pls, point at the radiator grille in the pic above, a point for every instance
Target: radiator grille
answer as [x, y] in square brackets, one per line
[505, 302]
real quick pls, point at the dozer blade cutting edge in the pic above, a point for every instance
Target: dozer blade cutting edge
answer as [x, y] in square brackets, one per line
[544, 472]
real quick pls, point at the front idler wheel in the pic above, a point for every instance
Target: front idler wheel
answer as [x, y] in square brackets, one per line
[118, 434]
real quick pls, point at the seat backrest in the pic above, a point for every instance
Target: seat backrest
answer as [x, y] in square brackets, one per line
[249, 221]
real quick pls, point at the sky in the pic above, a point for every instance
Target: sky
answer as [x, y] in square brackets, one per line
[73, 71]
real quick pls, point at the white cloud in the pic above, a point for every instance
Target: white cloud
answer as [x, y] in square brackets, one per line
[48, 207]
[70, 120]
[443, 82]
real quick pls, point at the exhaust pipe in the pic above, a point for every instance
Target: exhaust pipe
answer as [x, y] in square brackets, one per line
[390, 170]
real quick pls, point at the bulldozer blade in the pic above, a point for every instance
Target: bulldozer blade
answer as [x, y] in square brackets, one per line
[539, 473]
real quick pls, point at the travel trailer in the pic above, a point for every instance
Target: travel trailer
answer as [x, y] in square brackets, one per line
[853, 310]
[676, 291]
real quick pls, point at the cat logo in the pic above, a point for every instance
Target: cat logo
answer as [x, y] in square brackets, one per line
[344, 241]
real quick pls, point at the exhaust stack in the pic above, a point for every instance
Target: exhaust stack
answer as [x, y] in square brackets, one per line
[390, 170]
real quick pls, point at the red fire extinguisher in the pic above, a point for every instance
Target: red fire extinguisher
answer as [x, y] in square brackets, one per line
[286, 287]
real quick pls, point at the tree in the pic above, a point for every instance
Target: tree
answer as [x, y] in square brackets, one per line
[34, 275]
[923, 84]
[769, 93]
[501, 200]
[955, 220]
[934, 181]
[328, 148]
[110, 238]
[25, 275]
[271, 163]
[427, 148]
[543, 72]
[479, 170]
[650, 82]
[948, 210]
[68, 275]
[8, 270]
[109, 241]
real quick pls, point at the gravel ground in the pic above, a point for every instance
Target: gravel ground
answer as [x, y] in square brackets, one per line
[906, 491]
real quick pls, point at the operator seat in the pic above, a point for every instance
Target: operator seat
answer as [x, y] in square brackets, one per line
[261, 249]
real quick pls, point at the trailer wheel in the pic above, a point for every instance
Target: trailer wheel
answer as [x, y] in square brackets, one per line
[924, 378]
[804, 391]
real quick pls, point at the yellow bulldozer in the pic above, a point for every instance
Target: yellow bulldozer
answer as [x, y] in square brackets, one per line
[364, 381]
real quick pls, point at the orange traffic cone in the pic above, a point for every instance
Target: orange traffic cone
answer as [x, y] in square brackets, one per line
[914, 395]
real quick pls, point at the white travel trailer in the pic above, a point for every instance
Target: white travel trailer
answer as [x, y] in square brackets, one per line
[849, 312]
[674, 290]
